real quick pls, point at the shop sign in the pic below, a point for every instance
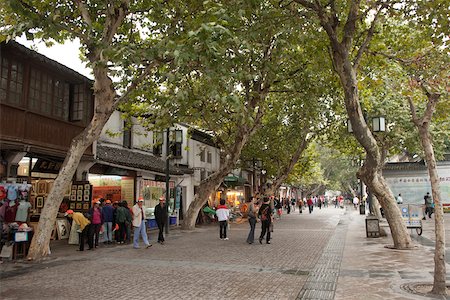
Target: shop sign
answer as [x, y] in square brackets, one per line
[47, 166]
[152, 183]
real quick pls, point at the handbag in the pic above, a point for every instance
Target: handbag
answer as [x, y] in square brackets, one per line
[271, 227]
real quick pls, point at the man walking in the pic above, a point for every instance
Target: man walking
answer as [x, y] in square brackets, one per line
[161, 218]
[139, 224]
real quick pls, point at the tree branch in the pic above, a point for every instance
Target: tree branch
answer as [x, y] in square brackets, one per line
[84, 12]
[368, 38]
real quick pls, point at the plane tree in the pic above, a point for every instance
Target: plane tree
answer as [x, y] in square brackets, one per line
[125, 43]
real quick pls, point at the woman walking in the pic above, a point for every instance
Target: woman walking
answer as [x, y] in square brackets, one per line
[265, 215]
[252, 212]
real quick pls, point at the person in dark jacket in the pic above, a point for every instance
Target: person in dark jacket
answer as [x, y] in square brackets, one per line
[108, 220]
[121, 219]
[161, 218]
[265, 215]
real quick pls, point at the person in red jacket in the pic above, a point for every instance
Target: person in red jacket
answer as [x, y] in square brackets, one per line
[310, 204]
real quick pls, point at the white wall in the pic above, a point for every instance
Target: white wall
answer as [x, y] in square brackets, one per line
[114, 125]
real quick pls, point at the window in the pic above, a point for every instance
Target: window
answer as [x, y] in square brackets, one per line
[209, 157]
[176, 143]
[202, 155]
[48, 95]
[202, 175]
[127, 134]
[11, 84]
[61, 100]
[78, 99]
[157, 143]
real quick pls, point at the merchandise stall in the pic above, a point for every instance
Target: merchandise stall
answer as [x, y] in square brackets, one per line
[15, 209]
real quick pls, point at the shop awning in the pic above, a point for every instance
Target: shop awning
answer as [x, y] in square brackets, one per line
[234, 180]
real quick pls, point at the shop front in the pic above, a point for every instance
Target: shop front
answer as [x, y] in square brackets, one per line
[151, 190]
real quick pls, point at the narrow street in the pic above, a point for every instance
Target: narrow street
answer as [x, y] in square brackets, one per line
[312, 256]
[191, 265]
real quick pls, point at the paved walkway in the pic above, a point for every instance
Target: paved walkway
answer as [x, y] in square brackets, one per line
[323, 255]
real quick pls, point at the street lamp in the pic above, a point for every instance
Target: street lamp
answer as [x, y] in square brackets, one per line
[175, 143]
[379, 124]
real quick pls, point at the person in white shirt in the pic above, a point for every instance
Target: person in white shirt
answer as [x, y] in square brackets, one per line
[399, 199]
[139, 225]
[223, 213]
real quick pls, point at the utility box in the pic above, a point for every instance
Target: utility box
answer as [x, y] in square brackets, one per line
[372, 227]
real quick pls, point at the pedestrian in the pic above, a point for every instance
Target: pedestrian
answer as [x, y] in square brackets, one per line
[139, 224]
[128, 222]
[223, 213]
[293, 204]
[429, 205]
[399, 199]
[95, 216]
[310, 204]
[115, 226]
[300, 206]
[121, 219]
[252, 212]
[278, 207]
[288, 206]
[108, 219]
[336, 202]
[265, 215]
[355, 202]
[161, 218]
[84, 225]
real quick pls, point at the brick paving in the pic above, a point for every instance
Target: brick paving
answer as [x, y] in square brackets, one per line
[324, 255]
[192, 265]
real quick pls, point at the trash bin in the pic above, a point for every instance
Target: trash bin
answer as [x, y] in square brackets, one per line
[372, 227]
[362, 208]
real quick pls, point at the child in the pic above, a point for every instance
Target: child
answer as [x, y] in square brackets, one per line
[223, 213]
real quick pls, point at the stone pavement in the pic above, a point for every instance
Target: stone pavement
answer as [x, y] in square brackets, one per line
[323, 255]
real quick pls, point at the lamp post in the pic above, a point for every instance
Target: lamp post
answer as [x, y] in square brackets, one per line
[378, 125]
[177, 141]
[167, 179]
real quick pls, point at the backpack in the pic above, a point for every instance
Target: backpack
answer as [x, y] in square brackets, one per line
[264, 214]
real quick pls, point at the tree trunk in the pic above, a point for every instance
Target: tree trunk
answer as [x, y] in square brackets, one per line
[284, 173]
[104, 107]
[370, 172]
[211, 184]
[439, 284]
[423, 125]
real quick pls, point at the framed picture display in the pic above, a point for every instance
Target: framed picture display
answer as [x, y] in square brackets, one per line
[63, 228]
[42, 187]
[87, 187]
[34, 187]
[73, 192]
[74, 187]
[79, 197]
[80, 187]
[79, 192]
[78, 205]
[85, 206]
[39, 202]
[86, 198]
[72, 205]
[87, 192]
[73, 198]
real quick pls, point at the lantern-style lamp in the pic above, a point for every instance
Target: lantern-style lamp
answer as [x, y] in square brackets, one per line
[379, 124]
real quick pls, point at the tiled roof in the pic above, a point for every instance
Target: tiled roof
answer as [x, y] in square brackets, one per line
[137, 160]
